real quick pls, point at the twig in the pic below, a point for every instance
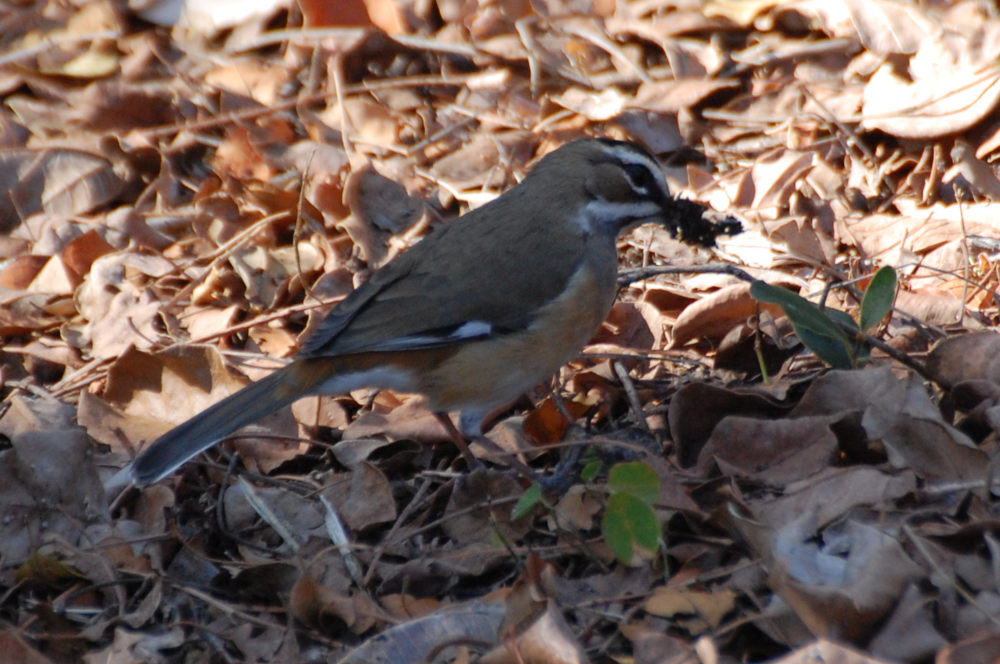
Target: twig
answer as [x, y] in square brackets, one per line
[630, 276]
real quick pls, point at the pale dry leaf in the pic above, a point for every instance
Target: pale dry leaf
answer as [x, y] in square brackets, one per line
[362, 496]
[57, 181]
[977, 173]
[415, 640]
[207, 323]
[264, 278]
[479, 164]
[54, 279]
[595, 106]
[691, 607]
[932, 308]
[47, 478]
[412, 420]
[26, 414]
[169, 387]
[910, 633]
[18, 272]
[274, 341]
[712, 316]
[130, 320]
[201, 21]
[368, 121]
[577, 508]
[919, 229]
[833, 493]
[882, 26]
[549, 640]
[676, 95]
[804, 239]
[387, 15]
[829, 652]
[486, 519]
[952, 85]
[984, 647]
[842, 583]
[966, 357]
[740, 12]
[261, 81]
[775, 179]
[380, 201]
[657, 131]
[779, 451]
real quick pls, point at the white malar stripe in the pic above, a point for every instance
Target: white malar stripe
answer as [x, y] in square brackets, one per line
[601, 214]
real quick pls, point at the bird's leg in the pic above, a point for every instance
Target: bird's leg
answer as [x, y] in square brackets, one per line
[471, 461]
[456, 437]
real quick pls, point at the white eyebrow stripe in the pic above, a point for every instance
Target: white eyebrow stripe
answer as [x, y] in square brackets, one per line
[627, 156]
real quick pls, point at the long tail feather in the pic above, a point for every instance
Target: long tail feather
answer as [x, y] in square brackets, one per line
[202, 431]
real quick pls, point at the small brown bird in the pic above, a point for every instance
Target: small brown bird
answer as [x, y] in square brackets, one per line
[475, 314]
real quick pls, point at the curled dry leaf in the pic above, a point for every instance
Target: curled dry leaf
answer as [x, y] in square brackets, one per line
[548, 640]
[897, 413]
[437, 633]
[697, 408]
[951, 87]
[778, 451]
[362, 496]
[966, 357]
[713, 316]
[884, 27]
[47, 478]
[833, 492]
[983, 648]
[697, 611]
[473, 520]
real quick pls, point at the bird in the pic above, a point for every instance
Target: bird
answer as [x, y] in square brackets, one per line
[475, 314]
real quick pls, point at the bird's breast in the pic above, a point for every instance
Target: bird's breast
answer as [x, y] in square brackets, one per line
[495, 371]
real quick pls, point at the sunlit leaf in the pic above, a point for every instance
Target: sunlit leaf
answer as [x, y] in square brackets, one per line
[590, 471]
[636, 478]
[531, 497]
[814, 326]
[878, 299]
[628, 524]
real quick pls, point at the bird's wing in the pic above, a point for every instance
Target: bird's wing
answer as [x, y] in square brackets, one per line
[471, 279]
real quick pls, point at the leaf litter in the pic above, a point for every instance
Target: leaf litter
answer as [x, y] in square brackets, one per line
[187, 197]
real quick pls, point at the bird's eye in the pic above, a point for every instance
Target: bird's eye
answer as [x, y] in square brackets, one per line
[640, 178]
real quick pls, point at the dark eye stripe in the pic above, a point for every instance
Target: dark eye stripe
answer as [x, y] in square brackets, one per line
[639, 177]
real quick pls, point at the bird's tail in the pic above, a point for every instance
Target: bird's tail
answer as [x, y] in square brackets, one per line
[203, 430]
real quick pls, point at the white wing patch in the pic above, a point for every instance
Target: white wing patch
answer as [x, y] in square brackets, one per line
[473, 329]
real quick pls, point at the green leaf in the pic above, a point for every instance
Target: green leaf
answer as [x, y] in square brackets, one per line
[814, 326]
[531, 497]
[590, 471]
[635, 478]
[630, 523]
[799, 310]
[878, 299]
[832, 351]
